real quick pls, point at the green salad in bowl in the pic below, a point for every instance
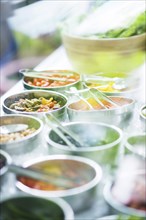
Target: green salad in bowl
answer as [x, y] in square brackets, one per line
[110, 39]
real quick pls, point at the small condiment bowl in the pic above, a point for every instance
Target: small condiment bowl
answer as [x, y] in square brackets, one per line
[60, 112]
[101, 142]
[21, 206]
[119, 116]
[58, 86]
[23, 144]
[136, 144]
[5, 160]
[84, 174]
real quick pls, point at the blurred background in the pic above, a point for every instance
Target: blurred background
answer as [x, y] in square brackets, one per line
[30, 32]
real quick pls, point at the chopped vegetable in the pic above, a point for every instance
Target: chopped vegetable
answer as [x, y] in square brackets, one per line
[136, 28]
[82, 106]
[35, 105]
[38, 82]
[106, 87]
[71, 171]
[4, 138]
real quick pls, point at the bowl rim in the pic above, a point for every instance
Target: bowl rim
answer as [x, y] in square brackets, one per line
[65, 33]
[8, 158]
[55, 87]
[117, 205]
[41, 125]
[122, 93]
[61, 203]
[140, 112]
[35, 91]
[88, 149]
[69, 192]
[132, 102]
[130, 146]
[110, 217]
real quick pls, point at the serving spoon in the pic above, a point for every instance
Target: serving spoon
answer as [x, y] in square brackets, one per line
[12, 128]
[40, 175]
[43, 75]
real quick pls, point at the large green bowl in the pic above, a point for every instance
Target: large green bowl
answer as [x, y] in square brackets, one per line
[111, 57]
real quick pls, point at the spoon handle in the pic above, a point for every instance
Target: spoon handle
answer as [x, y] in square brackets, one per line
[44, 75]
[65, 130]
[91, 91]
[60, 134]
[105, 97]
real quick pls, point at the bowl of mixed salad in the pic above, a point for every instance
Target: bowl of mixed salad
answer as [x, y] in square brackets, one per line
[107, 41]
[36, 103]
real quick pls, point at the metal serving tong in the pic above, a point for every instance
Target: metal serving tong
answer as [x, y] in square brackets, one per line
[72, 140]
[46, 177]
[95, 93]
[74, 91]
[43, 75]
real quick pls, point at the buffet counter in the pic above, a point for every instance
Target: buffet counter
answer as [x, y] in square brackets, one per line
[59, 60]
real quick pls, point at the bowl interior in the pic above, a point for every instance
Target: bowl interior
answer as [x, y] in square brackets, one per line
[137, 144]
[59, 98]
[113, 87]
[71, 79]
[13, 119]
[31, 208]
[99, 135]
[34, 127]
[132, 206]
[77, 172]
[82, 106]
